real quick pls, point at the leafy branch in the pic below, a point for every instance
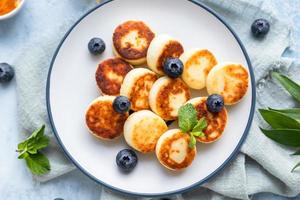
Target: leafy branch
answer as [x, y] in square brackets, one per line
[285, 123]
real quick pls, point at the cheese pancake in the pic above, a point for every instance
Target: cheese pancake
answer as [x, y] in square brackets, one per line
[101, 119]
[131, 41]
[110, 74]
[197, 64]
[161, 48]
[142, 129]
[229, 80]
[167, 96]
[216, 122]
[173, 151]
[136, 86]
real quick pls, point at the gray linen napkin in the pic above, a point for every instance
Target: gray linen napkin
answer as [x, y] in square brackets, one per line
[262, 165]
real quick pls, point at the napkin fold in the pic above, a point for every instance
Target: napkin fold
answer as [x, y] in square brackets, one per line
[261, 166]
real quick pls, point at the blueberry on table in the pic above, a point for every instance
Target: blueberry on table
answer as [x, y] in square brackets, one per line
[126, 160]
[173, 67]
[96, 46]
[121, 104]
[215, 103]
[6, 73]
[260, 27]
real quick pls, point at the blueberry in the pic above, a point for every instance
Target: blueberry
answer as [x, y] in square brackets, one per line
[260, 27]
[173, 67]
[121, 104]
[96, 46]
[126, 160]
[215, 103]
[6, 73]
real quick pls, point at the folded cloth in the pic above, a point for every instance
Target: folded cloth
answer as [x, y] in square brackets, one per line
[262, 165]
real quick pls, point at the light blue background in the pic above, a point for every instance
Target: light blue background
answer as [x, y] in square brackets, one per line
[36, 17]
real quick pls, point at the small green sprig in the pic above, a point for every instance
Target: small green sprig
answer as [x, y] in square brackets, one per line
[188, 123]
[30, 148]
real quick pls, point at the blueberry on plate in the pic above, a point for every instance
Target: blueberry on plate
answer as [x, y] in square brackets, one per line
[260, 27]
[126, 160]
[215, 103]
[121, 104]
[173, 67]
[96, 46]
[6, 73]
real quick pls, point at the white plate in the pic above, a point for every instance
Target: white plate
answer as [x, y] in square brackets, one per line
[71, 87]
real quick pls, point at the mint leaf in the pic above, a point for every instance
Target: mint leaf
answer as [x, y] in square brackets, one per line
[187, 117]
[198, 134]
[296, 166]
[38, 163]
[29, 150]
[202, 124]
[192, 142]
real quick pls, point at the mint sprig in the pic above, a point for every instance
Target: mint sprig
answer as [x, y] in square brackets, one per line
[30, 148]
[188, 123]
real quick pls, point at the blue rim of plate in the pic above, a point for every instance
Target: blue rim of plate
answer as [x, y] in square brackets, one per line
[186, 189]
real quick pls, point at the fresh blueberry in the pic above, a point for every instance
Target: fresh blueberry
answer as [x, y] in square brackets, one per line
[260, 27]
[96, 46]
[173, 67]
[126, 160]
[6, 73]
[121, 104]
[215, 103]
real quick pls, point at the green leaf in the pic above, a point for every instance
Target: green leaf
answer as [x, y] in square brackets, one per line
[41, 142]
[202, 124]
[278, 120]
[289, 137]
[297, 153]
[198, 134]
[293, 112]
[192, 142]
[23, 154]
[296, 166]
[38, 163]
[22, 145]
[292, 87]
[187, 117]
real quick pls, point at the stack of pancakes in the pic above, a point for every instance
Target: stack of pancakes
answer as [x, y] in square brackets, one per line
[137, 73]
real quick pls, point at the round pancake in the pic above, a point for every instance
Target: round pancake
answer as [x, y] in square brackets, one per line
[229, 80]
[167, 96]
[136, 86]
[101, 119]
[197, 64]
[110, 74]
[216, 122]
[131, 41]
[173, 151]
[142, 129]
[161, 48]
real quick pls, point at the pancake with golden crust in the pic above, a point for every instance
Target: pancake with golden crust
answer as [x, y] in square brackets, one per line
[229, 80]
[136, 86]
[110, 74]
[142, 129]
[131, 41]
[197, 64]
[167, 96]
[216, 122]
[161, 48]
[173, 151]
[101, 119]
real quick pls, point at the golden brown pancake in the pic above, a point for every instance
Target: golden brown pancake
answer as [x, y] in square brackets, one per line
[167, 96]
[131, 41]
[173, 151]
[216, 122]
[110, 74]
[101, 119]
[136, 87]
